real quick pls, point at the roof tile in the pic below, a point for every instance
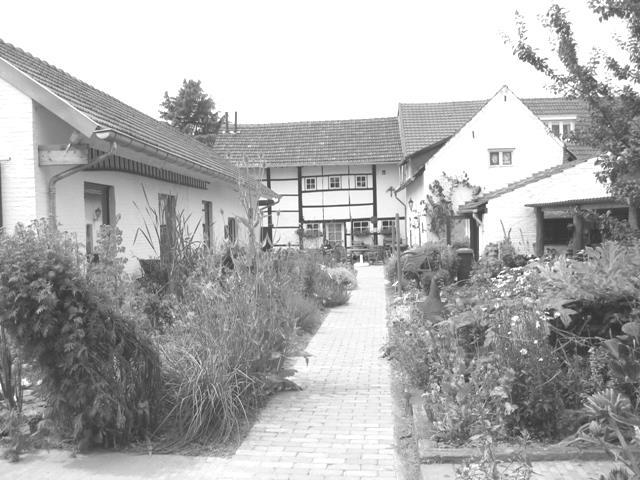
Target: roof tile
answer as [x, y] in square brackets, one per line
[110, 113]
[332, 142]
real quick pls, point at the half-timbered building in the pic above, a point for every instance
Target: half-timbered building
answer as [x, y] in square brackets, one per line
[335, 178]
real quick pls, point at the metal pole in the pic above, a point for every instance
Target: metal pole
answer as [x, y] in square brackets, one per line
[398, 267]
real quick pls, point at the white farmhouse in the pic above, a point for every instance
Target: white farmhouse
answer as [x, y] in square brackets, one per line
[74, 153]
[494, 143]
[334, 178]
[543, 211]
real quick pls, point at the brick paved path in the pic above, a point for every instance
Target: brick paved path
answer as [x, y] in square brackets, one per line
[340, 425]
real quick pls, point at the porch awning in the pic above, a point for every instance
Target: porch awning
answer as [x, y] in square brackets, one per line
[605, 201]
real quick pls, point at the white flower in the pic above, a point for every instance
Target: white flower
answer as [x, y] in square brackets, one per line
[556, 314]
[537, 324]
[515, 319]
[523, 351]
[535, 342]
[541, 359]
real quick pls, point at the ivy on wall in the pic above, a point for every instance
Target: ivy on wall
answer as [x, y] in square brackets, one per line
[438, 204]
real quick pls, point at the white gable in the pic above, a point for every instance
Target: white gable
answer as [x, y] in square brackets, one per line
[504, 124]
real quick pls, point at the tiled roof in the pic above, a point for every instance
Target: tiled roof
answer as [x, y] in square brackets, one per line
[109, 113]
[333, 142]
[423, 124]
[483, 199]
[577, 201]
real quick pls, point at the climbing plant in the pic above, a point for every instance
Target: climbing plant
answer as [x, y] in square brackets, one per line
[438, 204]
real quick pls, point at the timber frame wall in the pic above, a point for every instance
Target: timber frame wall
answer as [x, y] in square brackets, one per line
[323, 205]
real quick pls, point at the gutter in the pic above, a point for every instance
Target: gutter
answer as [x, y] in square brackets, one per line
[123, 140]
[51, 192]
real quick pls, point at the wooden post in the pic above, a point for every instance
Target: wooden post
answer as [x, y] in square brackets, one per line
[539, 231]
[578, 232]
[634, 217]
[398, 266]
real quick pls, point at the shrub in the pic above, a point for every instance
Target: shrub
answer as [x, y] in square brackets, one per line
[415, 263]
[305, 311]
[343, 276]
[100, 375]
[228, 346]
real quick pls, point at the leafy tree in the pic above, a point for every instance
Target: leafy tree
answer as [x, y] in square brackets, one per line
[609, 85]
[192, 111]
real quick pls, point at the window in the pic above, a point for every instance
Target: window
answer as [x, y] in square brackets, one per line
[386, 227]
[361, 227]
[309, 183]
[561, 128]
[168, 228]
[98, 208]
[500, 157]
[361, 181]
[206, 223]
[313, 228]
[334, 182]
[334, 233]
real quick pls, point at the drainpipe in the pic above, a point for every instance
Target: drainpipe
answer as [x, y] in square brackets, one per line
[67, 173]
[475, 216]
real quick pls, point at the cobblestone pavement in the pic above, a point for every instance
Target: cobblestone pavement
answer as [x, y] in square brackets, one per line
[574, 470]
[339, 426]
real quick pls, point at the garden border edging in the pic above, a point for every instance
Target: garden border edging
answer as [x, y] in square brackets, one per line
[430, 453]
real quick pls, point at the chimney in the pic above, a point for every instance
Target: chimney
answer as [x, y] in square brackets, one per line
[235, 122]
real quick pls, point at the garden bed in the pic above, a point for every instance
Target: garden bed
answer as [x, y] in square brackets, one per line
[535, 357]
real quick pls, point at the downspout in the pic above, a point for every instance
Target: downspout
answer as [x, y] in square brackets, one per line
[67, 173]
[475, 216]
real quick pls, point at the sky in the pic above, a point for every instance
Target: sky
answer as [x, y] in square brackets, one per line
[287, 61]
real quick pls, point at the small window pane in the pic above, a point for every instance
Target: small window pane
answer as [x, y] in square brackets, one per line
[361, 181]
[506, 158]
[555, 128]
[334, 182]
[566, 129]
[310, 184]
[494, 158]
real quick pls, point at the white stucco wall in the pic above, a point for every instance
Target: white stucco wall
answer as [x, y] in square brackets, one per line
[17, 144]
[503, 123]
[578, 182]
[128, 190]
[24, 125]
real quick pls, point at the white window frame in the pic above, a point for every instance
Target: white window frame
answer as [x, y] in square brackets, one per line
[361, 226]
[312, 227]
[333, 228]
[364, 181]
[386, 224]
[337, 179]
[561, 121]
[310, 183]
[501, 152]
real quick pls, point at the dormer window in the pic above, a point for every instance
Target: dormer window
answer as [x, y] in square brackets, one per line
[560, 126]
[501, 157]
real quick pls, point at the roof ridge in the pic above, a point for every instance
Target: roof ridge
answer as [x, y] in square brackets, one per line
[306, 122]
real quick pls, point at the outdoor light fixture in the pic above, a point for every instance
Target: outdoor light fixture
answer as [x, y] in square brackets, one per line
[410, 203]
